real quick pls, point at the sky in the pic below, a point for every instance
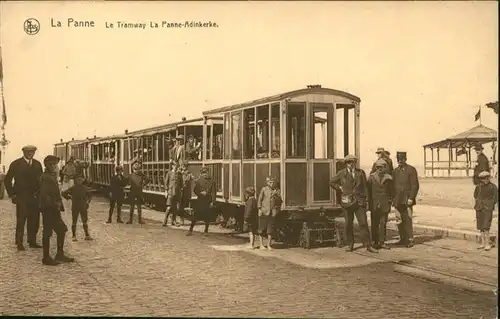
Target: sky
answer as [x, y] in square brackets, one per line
[421, 69]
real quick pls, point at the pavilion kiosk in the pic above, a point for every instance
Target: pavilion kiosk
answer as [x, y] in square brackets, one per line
[458, 161]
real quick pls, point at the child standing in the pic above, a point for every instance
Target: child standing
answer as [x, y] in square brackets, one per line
[268, 204]
[486, 197]
[251, 215]
[80, 198]
[117, 194]
[137, 181]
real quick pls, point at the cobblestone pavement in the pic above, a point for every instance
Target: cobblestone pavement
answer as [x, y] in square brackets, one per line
[147, 270]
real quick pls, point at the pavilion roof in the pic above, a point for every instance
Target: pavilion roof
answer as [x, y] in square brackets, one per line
[477, 135]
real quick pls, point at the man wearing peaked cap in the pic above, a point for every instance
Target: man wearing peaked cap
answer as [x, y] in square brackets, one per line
[406, 186]
[22, 186]
[482, 164]
[383, 155]
[352, 184]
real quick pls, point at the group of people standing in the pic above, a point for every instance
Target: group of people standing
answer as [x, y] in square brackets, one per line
[385, 187]
[36, 191]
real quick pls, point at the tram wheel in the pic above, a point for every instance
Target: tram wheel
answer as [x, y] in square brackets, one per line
[305, 237]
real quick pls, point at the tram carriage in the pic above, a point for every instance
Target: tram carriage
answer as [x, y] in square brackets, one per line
[294, 137]
[299, 137]
[61, 151]
[105, 154]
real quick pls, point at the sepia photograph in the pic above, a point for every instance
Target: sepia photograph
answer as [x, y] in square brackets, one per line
[274, 159]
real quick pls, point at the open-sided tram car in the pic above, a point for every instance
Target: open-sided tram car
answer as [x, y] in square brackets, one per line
[300, 138]
[153, 146]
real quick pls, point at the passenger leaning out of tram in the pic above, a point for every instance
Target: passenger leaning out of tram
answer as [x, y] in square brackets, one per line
[137, 182]
[192, 149]
[268, 205]
[352, 183]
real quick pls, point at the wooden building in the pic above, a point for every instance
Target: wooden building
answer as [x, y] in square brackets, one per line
[451, 157]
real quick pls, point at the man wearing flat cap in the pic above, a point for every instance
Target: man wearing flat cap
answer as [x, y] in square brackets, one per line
[351, 181]
[380, 193]
[26, 172]
[406, 188]
[383, 155]
[483, 165]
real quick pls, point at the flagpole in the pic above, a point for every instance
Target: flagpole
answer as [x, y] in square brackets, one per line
[480, 116]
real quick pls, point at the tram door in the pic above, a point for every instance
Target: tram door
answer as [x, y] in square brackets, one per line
[321, 152]
[346, 136]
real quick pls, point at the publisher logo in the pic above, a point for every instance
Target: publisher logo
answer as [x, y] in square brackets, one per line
[31, 26]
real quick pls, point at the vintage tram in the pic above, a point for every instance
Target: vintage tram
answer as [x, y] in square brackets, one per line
[298, 137]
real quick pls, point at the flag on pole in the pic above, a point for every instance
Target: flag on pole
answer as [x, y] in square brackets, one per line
[478, 115]
[4, 112]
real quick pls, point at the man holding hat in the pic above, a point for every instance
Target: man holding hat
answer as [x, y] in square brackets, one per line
[26, 172]
[351, 181]
[483, 165]
[51, 206]
[383, 155]
[406, 188]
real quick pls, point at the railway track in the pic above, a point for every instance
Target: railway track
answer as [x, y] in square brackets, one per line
[435, 275]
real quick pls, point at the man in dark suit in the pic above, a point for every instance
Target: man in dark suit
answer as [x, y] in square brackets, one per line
[26, 172]
[351, 181]
[483, 165]
[380, 193]
[383, 155]
[406, 187]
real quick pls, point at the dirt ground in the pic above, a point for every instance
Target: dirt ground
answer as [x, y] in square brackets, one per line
[455, 192]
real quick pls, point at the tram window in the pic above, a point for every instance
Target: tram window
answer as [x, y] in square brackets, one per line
[227, 138]
[345, 130]
[125, 150]
[236, 135]
[208, 142]
[194, 142]
[263, 131]
[249, 133]
[217, 143]
[319, 134]
[296, 132]
[275, 130]
[161, 146]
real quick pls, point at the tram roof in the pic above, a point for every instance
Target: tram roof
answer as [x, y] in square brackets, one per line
[169, 126]
[73, 142]
[281, 96]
